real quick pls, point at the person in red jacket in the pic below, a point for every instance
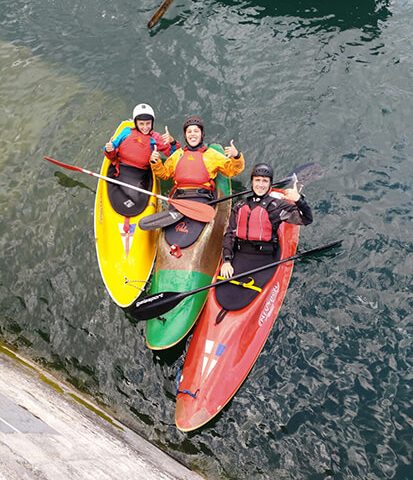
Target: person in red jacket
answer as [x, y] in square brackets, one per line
[134, 146]
[196, 165]
[251, 236]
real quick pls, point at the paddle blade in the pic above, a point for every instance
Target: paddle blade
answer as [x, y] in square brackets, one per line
[282, 183]
[155, 305]
[63, 165]
[309, 172]
[160, 220]
[323, 248]
[195, 210]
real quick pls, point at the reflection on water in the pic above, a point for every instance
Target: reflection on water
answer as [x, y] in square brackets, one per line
[68, 182]
[326, 14]
[301, 19]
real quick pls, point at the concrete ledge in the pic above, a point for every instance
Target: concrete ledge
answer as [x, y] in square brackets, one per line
[48, 431]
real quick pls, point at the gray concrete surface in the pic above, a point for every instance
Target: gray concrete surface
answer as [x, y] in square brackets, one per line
[46, 435]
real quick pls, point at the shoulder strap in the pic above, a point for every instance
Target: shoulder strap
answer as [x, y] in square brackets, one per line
[267, 201]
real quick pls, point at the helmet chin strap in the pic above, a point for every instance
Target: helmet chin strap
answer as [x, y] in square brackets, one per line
[192, 149]
[258, 198]
[199, 144]
[257, 195]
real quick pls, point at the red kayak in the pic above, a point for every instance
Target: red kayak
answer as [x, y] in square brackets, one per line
[221, 355]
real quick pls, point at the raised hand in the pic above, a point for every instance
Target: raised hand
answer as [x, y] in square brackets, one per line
[232, 150]
[167, 137]
[109, 147]
[155, 155]
[293, 193]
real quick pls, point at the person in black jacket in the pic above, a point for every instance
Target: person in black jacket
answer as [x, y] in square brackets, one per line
[251, 236]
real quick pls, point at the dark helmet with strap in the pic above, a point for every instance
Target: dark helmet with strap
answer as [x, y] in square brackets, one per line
[194, 120]
[262, 170]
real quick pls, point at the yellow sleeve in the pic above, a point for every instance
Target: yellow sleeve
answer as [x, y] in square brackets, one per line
[166, 170]
[218, 162]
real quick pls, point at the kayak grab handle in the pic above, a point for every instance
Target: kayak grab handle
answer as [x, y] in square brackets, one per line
[188, 392]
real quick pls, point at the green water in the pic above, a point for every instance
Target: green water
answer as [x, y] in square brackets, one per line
[290, 82]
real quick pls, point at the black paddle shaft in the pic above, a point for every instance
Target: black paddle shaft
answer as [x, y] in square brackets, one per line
[279, 184]
[305, 169]
[160, 303]
[305, 173]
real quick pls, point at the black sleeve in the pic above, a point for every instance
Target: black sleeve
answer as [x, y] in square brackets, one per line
[305, 209]
[298, 213]
[229, 235]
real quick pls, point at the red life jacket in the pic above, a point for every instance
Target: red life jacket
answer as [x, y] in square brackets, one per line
[135, 150]
[254, 224]
[191, 171]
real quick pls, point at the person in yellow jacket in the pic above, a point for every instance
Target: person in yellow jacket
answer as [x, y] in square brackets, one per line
[196, 165]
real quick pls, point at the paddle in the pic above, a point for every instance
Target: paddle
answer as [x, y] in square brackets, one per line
[160, 12]
[188, 208]
[305, 173]
[155, 305]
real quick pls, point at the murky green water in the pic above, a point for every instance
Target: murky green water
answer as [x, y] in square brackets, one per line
[290, 82]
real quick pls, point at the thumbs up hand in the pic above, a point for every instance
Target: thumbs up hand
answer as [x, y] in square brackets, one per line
[109, 147]
[167, 137]
[232, 150]
[155, 155]
[293, 193]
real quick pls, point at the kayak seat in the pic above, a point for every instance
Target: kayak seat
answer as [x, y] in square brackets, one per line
[187, 231]
[235, 297]
[124, 200]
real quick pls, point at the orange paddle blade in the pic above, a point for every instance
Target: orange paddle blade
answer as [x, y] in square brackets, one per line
[196, 210]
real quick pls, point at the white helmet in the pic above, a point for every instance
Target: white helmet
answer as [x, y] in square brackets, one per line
[143, 111]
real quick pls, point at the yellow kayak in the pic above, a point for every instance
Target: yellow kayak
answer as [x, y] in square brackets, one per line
[125, 252]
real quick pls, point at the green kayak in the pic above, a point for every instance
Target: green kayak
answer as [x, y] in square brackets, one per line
[181, 268]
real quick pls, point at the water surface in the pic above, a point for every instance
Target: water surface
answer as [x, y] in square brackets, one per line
[290, 82]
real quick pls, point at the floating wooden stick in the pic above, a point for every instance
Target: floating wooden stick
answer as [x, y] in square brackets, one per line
[163, 7]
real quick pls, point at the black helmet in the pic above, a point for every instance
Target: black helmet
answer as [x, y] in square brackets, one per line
[194, 120]
[262, 170]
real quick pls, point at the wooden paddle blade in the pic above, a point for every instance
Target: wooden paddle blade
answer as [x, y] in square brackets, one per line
[160, 220]
[195, 210]
[155, 305]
